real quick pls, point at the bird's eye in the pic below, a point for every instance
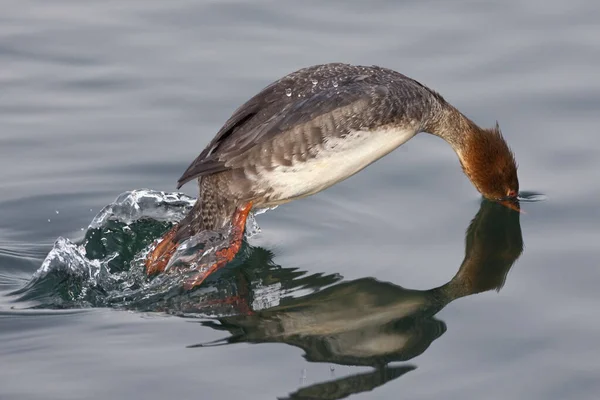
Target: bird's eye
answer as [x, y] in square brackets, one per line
[511, 193]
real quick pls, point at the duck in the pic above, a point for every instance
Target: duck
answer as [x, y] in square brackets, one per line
[316, 127]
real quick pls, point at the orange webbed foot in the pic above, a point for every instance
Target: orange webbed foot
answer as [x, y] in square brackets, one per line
[158, 259]
[227, 254]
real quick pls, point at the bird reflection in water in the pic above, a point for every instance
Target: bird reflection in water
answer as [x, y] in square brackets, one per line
[366, 322]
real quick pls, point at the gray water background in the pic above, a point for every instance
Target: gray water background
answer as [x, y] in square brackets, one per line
[100, 97]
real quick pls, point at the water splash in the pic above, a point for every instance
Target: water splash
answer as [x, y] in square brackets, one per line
[107, 267]
[531, 197]
[138, 204]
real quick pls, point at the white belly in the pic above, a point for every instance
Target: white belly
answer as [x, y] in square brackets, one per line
[339, 159]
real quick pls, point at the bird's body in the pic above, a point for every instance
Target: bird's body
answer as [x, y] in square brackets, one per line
[320, 125]
[308, 131]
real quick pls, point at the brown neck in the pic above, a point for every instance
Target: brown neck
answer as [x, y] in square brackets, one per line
[484, 155]
[452, 126]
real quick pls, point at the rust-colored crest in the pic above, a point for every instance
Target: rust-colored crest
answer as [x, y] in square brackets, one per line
[489, 163]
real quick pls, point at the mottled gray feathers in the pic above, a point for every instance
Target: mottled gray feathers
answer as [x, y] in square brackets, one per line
[314, 102]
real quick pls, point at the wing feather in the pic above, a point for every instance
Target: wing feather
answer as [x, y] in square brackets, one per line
[254, 124]
[369, 97]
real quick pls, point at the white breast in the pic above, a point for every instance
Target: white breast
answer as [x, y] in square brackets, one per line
[339, 159]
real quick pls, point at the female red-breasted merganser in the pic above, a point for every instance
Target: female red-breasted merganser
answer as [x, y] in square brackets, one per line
[316, 127]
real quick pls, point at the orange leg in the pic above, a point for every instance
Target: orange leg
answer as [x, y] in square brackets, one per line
[158, 259]
[225, 255]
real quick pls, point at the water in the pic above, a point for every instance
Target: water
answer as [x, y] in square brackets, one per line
[103, 98]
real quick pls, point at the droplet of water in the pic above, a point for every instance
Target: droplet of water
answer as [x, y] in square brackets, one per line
[252, 227]
[90, 210]
[56, 211]
[288, 92]
[48, 219]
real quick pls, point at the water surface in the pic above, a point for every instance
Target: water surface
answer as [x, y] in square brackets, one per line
[99, 98]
